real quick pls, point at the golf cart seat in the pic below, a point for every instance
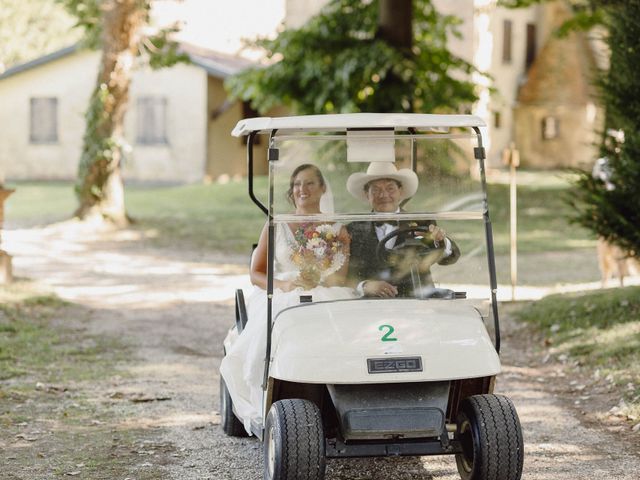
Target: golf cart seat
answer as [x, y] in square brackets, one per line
[241, 308]
[241, 311]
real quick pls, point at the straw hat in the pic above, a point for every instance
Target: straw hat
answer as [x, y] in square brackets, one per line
[378, 170]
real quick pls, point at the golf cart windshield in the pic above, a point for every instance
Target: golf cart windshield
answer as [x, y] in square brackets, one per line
[353, 209]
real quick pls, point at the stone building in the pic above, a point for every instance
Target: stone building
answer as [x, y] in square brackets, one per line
[556, 115]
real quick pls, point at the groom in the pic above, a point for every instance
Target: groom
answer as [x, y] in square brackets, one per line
[384, 187]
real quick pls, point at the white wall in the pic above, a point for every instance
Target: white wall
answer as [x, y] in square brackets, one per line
[183, 158]
[70, 80]
[298, 12]
[482, 45]
[507, 78]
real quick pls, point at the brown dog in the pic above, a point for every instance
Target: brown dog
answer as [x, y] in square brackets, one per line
[613, 261]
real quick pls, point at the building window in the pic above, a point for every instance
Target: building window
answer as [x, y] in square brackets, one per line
[151, 120]
[531, 45]
[43, 120]
[550, 128]
[497, 119]
[507, 30]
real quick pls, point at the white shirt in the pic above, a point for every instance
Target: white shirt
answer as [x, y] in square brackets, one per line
[384, 230]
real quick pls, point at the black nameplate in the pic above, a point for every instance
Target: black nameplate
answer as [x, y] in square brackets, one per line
[394, 365]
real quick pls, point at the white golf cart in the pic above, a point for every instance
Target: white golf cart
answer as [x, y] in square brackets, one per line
[366, 376]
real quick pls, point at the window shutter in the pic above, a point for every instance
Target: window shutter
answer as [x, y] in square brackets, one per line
[151, 123]
[550, 128]
[531, 45]
[43, 127]
[507, 33]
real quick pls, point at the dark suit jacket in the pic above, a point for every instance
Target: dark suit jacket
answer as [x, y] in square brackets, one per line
[365, 265]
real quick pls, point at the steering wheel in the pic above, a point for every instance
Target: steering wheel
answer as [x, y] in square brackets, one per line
[418, 247]
[416, 254]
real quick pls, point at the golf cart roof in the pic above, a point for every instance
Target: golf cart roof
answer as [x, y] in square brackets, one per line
[315, 123]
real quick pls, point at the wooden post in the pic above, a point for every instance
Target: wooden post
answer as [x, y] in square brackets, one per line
[511, 157]
[6, 274]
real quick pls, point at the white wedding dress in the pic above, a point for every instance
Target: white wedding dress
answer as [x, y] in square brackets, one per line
[243, 365]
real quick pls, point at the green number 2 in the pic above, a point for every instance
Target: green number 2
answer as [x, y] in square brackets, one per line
[386, 337]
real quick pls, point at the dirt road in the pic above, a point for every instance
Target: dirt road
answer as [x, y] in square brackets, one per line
[173, 308]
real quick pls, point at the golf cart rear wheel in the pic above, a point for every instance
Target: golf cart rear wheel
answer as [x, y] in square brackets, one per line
[230, 423]
[491, 438]
[294, 441]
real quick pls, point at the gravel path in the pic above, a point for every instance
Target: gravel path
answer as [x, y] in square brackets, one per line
[174, 307]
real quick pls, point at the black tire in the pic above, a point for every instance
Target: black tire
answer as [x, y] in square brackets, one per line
[491, 437]
[294, 441]
[228, 420]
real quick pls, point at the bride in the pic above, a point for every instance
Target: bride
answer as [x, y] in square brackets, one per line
[309, 259]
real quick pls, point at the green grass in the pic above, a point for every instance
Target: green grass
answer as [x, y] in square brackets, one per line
[32, 346]
[25, 340]
[223, 218]
[542, 220]
[53, 383]
[208, 217]
[601, 330]
[40, 202]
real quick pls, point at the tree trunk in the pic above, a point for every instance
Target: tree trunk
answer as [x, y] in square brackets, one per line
[99, 186]
[395, 26]
[394, 22]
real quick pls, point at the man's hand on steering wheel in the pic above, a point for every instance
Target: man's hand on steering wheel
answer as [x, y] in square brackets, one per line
[422, 241]
[438, 234]
[379, 288]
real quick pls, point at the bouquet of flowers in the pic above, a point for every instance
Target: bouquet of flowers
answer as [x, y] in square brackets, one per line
[319, 252]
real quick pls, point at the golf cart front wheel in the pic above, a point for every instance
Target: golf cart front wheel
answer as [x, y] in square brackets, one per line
[294, 441]
[230, 423]
[491, 438]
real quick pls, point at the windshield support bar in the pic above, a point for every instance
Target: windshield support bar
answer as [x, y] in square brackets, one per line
[270, 259]
[414, 156]
[270, 256]
[255, 200]
[479, 153]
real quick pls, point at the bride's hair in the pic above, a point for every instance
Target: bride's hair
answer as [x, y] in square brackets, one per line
[295, 173]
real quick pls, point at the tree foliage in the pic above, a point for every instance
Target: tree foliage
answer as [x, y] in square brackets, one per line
[32, 28]
[153, 45]
[611, 207]
[338, 63]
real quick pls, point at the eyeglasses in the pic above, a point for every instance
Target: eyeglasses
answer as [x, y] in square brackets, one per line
[388, 190]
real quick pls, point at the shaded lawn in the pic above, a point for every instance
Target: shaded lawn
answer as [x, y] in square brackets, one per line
[599, 329]
[37, 203]
[208, 217]
[542, 220]
[35, 341]
[54, 378]
[222, 217]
